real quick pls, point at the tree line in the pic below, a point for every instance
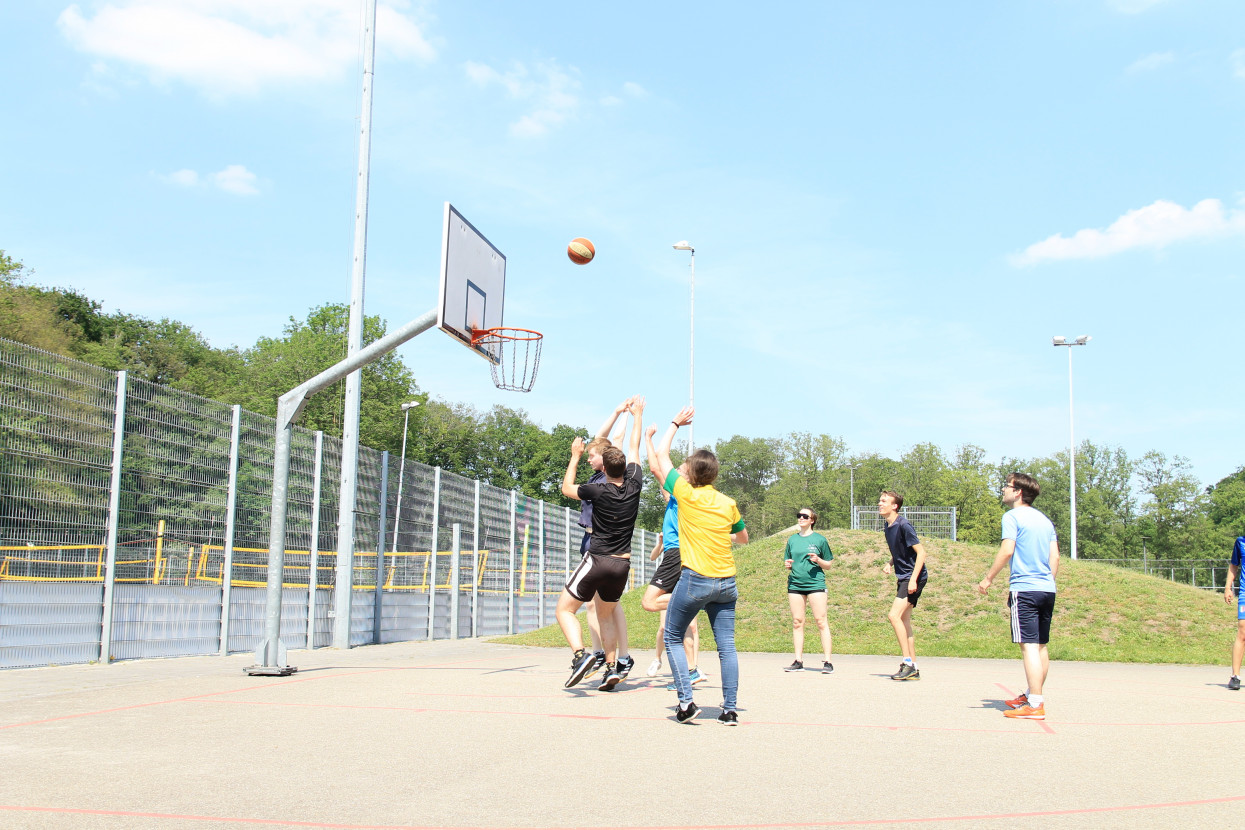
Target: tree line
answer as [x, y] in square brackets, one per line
[1124, 505]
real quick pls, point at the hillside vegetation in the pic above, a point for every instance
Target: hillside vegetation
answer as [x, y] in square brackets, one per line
[1103, 613]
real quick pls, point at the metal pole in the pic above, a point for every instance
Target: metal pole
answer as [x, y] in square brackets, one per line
[691, 363]
[231, 505]
[510, 598]
[851, 497]
[454, 586]
[432, 553]
[313, 560]
[397, 510]
[567, 532]
[114, 519]
[475, 561]
[1071, 454]
[350, 421]
[379, 595]
[541, 592]
[270, 657]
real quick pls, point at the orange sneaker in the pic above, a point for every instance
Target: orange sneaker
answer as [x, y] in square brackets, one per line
[1027, 712]
[1020, 700]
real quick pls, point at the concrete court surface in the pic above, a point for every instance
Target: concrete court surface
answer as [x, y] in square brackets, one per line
[472, 734]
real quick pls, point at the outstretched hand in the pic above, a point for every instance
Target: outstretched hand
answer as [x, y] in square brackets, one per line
[577, 446]
[684, 417]
[651, 431]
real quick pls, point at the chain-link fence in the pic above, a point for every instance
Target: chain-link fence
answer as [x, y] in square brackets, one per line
[134, 522]
[933, 522]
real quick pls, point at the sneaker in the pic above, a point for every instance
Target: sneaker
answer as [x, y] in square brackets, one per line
[1027, 712]
[613, 676]
[598, 660]
[827, 667]
[697, 677]
[907, 671]
[728, 719]
[625, 665]
[580, 665]
[1020, 700]
[1234, 685]
[653, 668]
[685, 715]
[795, 666]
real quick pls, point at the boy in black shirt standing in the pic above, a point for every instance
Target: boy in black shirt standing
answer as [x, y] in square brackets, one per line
[908, 562]
[605, 568]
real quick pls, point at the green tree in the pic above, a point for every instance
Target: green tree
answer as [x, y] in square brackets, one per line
[1227, 506]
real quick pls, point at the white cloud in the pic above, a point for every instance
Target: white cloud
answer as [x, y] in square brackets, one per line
[552, 91]
[1152, 226]
[1151, 62]
[235, 179]
[635, 90]
[237, 46]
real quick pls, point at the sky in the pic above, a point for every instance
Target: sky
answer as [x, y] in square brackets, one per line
[894, 206]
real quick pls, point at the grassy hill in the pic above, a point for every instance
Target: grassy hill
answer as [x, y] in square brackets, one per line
[1103, 613]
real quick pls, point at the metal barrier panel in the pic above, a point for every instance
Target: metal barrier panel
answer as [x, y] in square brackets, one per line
[165, 621]
[931, 522]
[50, 622]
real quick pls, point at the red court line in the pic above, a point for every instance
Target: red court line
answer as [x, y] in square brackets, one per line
[1010, 694]
[1081, 811]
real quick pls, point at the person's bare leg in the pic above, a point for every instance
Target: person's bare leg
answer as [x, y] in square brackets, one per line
[1238, 648]
[620, 631]
[900, 617]
[796, 602]
[1037, 664]
[568, 620]
[594, 625]
[609, 637]
[818, 603]
[691, 644]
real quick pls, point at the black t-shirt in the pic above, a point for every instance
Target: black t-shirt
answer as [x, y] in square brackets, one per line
[900, 537]
[614, 511]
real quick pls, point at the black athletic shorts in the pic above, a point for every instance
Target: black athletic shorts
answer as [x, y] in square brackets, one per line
[805, 593]
[668, 571]
[1031, 613]
[901, 590]
[599, 574]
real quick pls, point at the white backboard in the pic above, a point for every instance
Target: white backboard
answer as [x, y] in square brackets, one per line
[473, 282]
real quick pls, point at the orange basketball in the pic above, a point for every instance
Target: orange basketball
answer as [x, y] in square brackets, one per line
[581, 251]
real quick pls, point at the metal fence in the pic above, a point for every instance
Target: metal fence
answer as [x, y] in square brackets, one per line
[134, 522]
[932, 522]
[1208, 574]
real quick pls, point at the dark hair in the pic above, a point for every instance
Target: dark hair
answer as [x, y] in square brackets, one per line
[895, 497]
[614, 462]
[1027, 485]
[812, 515]
[702, 468]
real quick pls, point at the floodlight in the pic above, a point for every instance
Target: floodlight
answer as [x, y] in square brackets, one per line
[1059, 341]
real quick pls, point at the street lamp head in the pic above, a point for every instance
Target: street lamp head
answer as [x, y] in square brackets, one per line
[1083, 339]
[410, 405]
[684, 246]
[1059, 341]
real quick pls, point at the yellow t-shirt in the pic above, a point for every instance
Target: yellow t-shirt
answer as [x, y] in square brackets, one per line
[706, 521]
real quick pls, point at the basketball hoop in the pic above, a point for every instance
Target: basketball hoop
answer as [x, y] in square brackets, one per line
[516, 354]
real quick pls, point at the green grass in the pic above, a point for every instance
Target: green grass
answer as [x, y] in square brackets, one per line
[1103, 613]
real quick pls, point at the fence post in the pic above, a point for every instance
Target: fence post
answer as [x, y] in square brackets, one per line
[379, 596]
[954, 524]
[475, 562]
[567, 533]
[511, 598]
[114, 519]
[432, 553]
[541, 592]
[231, 505]
[313, 559]
[454, 580]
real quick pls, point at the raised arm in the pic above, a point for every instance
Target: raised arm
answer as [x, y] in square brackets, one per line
[604, 431]
[569, 488]
[659, 458]
[633, 446]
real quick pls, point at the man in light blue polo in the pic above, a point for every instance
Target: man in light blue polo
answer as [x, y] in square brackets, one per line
[1029, 545]
[1235, 580]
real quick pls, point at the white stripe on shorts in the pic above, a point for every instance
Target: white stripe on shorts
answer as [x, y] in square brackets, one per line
[578, 575]
[1015, 614]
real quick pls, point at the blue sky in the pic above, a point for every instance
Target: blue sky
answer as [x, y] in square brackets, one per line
[894, 207]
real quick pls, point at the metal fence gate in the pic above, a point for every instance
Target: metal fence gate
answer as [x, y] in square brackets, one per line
[134, 523]
[934, 522]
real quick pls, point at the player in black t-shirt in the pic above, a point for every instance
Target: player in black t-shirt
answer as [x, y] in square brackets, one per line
[908, 562]
[605, 568]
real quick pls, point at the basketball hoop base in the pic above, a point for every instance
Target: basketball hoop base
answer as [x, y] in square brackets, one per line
[517, 353]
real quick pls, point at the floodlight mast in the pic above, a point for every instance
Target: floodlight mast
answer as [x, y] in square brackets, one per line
[1059, 340]
[684, 245]
[271, 654]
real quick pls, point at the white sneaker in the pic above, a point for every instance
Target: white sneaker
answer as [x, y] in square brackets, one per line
[653, 668]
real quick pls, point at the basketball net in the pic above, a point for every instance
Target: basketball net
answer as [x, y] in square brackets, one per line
[517, 353]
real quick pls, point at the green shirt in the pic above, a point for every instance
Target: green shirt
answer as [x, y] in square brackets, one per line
[805, 576]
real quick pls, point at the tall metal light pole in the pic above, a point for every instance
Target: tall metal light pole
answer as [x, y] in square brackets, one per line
[397, 511]
[691, 362]
[851, 517]
[1063, 341]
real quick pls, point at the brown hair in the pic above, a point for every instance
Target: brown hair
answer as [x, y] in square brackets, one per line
[702, 468]
[1027, 485]
[812, 514]
[895, 497]
[598, 445]
[614, 461]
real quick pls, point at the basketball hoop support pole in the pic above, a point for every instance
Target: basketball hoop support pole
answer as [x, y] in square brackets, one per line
[270, 656]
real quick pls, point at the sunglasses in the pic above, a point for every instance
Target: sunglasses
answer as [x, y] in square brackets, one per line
[803, 516]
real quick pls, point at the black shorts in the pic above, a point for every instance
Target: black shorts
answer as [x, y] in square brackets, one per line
[668, 571]
[901, 590]
[599, 574]
[1031, 613]
[805, 593]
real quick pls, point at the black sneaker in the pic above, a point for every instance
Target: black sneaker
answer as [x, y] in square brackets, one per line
[796, 666]
[612, 678]
[580, 664]
[1234, 685]
[907, 671]
[827, 667]
[728, 719]
[685, 715]
[598, 660]
[625, 665]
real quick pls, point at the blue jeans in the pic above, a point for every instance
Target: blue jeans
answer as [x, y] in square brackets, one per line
[717, 597]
